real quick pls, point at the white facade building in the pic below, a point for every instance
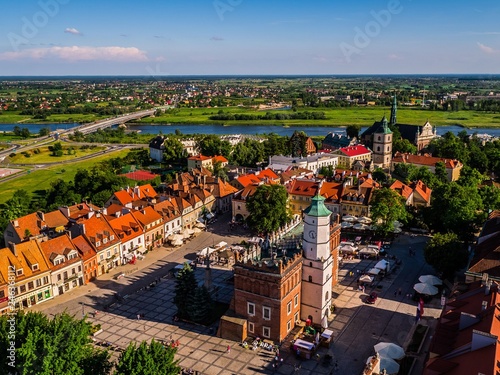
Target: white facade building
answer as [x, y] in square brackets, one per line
[312, 162]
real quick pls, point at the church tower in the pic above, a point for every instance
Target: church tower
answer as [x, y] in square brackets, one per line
[382, 145]
[394, 111]
[317, 266]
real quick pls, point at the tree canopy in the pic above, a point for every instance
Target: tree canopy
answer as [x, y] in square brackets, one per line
[174, 149]
[268, 208]
[152, 359]
[446, 253]
[44, 346]
[387, 206]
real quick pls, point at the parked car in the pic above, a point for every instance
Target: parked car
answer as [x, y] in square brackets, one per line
[371, 298]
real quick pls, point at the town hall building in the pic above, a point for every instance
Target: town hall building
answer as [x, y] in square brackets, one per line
[286, 286]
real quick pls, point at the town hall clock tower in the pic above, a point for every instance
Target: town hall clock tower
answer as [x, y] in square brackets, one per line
[317, 262]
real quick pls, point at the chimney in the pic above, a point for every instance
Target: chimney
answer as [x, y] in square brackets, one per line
[16, 223]
[82, 228]
[137, 191]
[104, 211]
[12, 247]
[41, 215]
[65, 210]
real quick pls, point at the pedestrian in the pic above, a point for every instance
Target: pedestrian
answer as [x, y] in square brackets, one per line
[399, 291]
[395, 293]
[228, 349]
[363, 288]
[138, 316]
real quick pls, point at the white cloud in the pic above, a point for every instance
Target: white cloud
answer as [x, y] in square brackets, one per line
[395, 57]
[486, 49]
[72, 30]
[79, 53]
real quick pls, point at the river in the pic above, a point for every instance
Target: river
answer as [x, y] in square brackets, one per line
[240, 129]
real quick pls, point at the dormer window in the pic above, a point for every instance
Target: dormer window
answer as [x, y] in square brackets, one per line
[98, 243]
[105, 240]
[19, 272]
[111, 238]
[34, 267]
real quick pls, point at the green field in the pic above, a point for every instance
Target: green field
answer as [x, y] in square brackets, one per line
[16, 118]
[363, 116]
[45, 155]
[41, 179]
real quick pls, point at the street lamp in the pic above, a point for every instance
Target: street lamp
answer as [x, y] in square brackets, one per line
[83, 309]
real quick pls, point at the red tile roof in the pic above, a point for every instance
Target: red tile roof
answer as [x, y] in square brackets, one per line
[86, 250]
[126, 227]
[302, 187]
[219, 158]
[59, 246]
[401, 188]
[426, 160]
[257, 177]
[199, 157]
[140, 175]
[356, 150]
[96, 229]
[148, 216]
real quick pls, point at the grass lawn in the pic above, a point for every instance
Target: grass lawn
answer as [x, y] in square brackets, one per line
[45, 155]
[363, 116]
[15, 117]
[41, 179]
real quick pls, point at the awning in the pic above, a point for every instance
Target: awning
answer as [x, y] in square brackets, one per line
[327, 333]
[221, 244]
[141, 250]
[303, 344]
[374, 271]
[206, 251]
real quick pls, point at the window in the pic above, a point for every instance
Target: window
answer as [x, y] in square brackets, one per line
[104, 240]
[34, 267]
[251, 327]
[266, 332]
[296, 317]
[289, 326]
[2, 294]
[289, 308]
[139, 240]
[310, 279]
[45, 280]
[65, 275]
[378, 148]
[30, 285]
[296, 300]
[98, 243]
[79, 268]
[112, 237]
[22, 289]
[101, 257]
[266, 313]
[59, 277]
[326, 296]
[108, 254]
[19, 271]
[38, 283]
[251, 308]
[73, 271]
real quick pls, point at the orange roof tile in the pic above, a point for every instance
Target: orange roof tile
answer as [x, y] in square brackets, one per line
[96, 229]
[27, 254]
[426, 160]
[148, 216]
[220, 159]
[126, 227]
[402, 189]
[85, 248]
[59, 246]
[199, 157]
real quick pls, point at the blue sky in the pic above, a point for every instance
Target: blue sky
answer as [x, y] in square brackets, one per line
[109, 37]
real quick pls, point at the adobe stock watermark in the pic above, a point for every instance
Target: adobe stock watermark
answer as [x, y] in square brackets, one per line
[372, 29]
[30, 26]
[224, 6]
[11, 335]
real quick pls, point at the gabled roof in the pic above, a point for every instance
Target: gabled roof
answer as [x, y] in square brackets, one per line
[223, 189]
[426, 160]
[33, 222]
[55, 219]
[168, 209]
[79, 210]
[308, 188]
[157, 142]
[140, 175]
[402, 189]
[84, 247]
[96, 229]
[59, 246]
[199, 158]
[28, 254]
[487, 257]
[352, 151]
[147, 216]
[126, 227]
[219, 158]
[420, 188]
[257, 177]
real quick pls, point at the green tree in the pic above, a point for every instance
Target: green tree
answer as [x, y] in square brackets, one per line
[219, 170]
[59, 345]
[268, 208]
[446, 253]
[470, 177]
[211, 145]
[44, 132]
[152, 359]
[174, 149]
[379, 175]
[276, 145]
[403, 145]
[185, 285]
[490, 196]
[440, 173]
[25, 133]
[57, 149]
[387, 206]
[352, 131]
[201, 305]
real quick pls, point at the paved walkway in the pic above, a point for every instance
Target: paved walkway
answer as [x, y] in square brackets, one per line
[357, 326]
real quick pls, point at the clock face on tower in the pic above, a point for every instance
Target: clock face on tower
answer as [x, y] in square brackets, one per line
[312, 234]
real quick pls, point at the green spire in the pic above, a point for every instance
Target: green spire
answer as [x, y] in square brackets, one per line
[384, 128]
[317, 207]
[394, 110]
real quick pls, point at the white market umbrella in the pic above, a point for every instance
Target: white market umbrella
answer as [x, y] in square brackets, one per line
[364, 220]
[200, 225]
[430, 279]
[175, 237]
[348, 249]
[387, 364]
[382, 265]
[348, 218]
[361, 226]
[185, 234]
[369, 251]
[346, 224]
[427, 289]
[196, 230]
[177, 243]
[366, 279]
[374, 271]
[389, 350]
